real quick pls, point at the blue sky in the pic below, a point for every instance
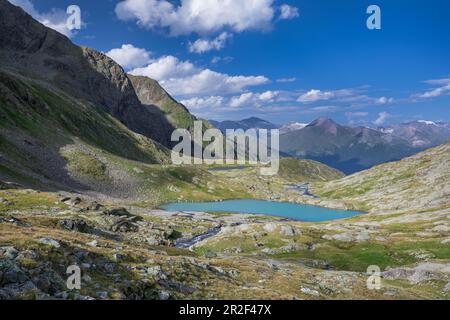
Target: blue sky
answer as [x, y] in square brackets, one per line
[281, 60]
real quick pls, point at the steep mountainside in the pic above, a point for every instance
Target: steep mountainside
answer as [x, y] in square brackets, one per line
[152, 95]
[43, 131]
[34, 51]
[70, 118]
[347, 149]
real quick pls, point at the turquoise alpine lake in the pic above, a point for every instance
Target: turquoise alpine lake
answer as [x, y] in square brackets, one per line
[294, 211]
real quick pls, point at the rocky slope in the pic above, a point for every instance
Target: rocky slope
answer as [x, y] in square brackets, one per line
[71, 118]
[152, 95]
[417, 183]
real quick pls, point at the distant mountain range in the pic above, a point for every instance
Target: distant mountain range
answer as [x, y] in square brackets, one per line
[421, 134]
[256, 123]
[250, 123]
[351, 149]
[292, 126]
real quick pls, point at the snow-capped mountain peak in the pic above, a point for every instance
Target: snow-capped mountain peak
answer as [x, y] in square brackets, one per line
[428, 123]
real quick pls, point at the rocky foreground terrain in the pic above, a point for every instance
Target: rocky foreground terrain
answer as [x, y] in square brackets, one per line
[138, 252]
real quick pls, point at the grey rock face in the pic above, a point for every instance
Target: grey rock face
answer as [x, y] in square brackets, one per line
[8, 252]
[288, 231]
[71, 201]
[76, 225]
[50, 242]
[158, 101]
[10, 273]
[310, 292]
[118, 212]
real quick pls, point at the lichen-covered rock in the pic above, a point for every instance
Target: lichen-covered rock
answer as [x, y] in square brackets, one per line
[270, 227]
[71, 201]
[125, 226]
[49, 242]
[288, 230]
[118, 212]
[6, 202]
[78, 225]
[8, 252]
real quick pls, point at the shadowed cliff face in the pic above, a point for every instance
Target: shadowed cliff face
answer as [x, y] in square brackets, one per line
[156, 99]
[35, 51]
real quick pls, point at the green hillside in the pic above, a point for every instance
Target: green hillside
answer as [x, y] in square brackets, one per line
[415, 183]
[307, 170]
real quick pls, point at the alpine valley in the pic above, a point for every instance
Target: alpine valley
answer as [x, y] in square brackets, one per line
[85, 167]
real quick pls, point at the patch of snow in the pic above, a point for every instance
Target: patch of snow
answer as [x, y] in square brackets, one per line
[428, 123]
[419, 143]
[293, 126]
[388, 131]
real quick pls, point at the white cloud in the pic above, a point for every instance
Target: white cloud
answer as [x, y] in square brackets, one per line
[382, 117]
[325, 109]
[436, 92]
[166, 68]
[244, 98]
[286, 80]
[439, 81]
[268, 95]
[352, 97]
[443, 88]
[185, 79]
[208, 81]
[128, 56]
[384, 100]
[250, 99]
[315, 95]
[216, 60]
[288, 12]
[205, 45]
[357, 118]
[211, 102]
[55, 19]
[357, 114]
[198, 16]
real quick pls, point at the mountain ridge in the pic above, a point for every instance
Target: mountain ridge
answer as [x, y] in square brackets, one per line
[244, 124]
[413, 183]
[349, 149]
[37, 52]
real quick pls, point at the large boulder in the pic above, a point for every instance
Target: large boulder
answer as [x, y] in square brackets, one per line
[77, 225]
